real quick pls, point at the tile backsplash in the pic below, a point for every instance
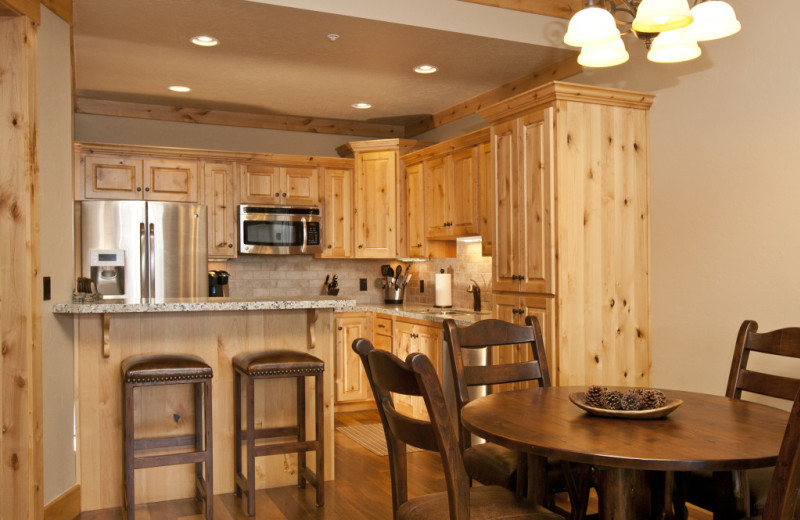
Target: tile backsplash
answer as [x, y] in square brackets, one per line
[254, 277]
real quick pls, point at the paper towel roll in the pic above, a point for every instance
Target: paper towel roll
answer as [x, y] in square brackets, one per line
[444, 290]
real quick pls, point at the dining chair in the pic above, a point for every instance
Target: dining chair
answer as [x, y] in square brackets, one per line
[416, 376]
[783, 496]
[490, 463]
[737, 493]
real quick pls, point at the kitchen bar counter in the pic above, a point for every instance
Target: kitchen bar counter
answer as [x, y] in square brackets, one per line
[206, 305]
[425, 312]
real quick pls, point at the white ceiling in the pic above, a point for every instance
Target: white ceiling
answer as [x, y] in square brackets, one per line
[275, 59]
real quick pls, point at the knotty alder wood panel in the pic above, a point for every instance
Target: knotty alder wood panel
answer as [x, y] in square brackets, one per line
[557, 8]
[21, 474]
[216, 337]
[603, 244]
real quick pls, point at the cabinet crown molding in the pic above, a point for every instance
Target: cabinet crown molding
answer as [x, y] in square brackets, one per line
[560, 91]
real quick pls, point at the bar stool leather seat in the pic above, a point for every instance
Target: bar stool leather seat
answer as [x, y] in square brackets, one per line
[277, 363]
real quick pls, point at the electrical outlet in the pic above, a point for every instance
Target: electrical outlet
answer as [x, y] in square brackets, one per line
[422, 286]
[362, 284]
[46, 288]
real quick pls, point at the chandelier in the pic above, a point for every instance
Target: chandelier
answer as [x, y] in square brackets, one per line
[669, 29]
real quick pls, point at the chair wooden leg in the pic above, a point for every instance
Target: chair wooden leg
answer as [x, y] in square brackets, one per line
[251, 447]
[128, 499]
[301, 429]
[209, 446]
[579, 482]
[237, 431]
[319, 418]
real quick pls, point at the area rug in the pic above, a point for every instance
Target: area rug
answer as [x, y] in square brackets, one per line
[371, 437]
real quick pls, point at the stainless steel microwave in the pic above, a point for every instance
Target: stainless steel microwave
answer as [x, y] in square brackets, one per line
[279, 230]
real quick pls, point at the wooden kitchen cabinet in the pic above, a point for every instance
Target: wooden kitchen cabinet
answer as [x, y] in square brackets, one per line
[418, 244]
[382, 332]
[451, 194]
[415, 336]
[523, 239]
[263, 183]
[131, 178]
[351, 383]
[485, 199]
[219, 197]
[337, 196]
[571, 226]
[375, 229]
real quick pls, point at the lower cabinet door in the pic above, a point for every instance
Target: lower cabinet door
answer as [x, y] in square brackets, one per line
[351, 380]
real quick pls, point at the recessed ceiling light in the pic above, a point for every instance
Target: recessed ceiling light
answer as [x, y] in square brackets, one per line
[333, 37]
[205, 41]
[425, 69]
[179, 88]
[362, 106]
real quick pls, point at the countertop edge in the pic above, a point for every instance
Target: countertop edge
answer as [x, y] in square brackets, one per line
[343, 304]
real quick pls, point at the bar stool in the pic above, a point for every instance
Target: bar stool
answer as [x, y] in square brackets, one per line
[269, 365]
[168, 369]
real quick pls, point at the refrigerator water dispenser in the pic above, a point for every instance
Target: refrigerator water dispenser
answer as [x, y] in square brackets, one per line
[108, 271]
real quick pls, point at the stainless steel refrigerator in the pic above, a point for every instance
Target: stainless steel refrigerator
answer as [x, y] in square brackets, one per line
[144, 251]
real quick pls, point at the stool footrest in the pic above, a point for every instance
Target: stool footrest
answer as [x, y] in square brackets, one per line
[164, 442]
[168, 460]
[265, 433]
[285, 447]
[310, 476]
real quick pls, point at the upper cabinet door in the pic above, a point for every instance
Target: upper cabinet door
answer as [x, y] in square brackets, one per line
[415, 211]
[338, 220]
[260, 184]
[219, 189]
[171, 180]
[536, 205]
[300, 185]
[436, 197]
[506, 218]
[485, 220]
[462, 200]
[112, 178]
[376, 204]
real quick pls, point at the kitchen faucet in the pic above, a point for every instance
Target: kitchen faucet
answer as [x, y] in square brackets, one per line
[476, 295]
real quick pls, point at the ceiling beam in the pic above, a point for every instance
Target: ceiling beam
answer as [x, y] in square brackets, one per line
[556, 72]
[242, 119]
[29, 8]
[556, 8]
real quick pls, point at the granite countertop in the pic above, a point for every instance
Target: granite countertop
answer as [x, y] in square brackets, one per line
[425, 312]
[207, 304]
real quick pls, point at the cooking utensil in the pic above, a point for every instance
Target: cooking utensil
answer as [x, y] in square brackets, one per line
[398, 271]
[385, 270]
[405, 281]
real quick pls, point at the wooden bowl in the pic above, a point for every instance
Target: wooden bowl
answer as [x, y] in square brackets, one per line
[577, 399]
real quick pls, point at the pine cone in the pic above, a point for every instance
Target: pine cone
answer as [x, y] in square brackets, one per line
[594, 396]
[612, 400]
[631, 400]
[652, 398]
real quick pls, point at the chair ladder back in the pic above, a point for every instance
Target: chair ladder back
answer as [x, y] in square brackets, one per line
[398, 469]
[783, 498]
[780, 342]
[500, 374]
[409, 430]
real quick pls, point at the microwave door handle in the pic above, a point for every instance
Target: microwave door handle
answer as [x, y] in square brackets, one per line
[142, 261]
[152, 265]
[305, 234]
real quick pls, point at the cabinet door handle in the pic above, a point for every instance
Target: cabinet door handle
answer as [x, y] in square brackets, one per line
[419, 245]
[138, 188]
[361, 246]
[381, 326]
[339, 328]
[147, 189]
[277, 194]
[284, 194]
[230, 246]
[330, 246]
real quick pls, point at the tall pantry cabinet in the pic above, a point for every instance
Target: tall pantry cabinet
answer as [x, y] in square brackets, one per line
[571, 227]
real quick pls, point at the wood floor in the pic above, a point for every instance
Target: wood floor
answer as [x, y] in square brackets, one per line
[361, 490]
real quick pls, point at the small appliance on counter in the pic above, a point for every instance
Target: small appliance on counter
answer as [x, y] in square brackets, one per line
[218, 284]
[444, 289]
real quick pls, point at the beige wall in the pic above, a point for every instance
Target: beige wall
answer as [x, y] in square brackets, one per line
[725, 193]
[55, 181]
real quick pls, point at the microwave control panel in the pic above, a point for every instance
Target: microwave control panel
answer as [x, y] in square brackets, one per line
[313, 234]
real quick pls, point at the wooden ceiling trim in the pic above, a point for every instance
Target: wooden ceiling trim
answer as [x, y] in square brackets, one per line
[555, 72]
[556, 8]
[242, 119]
[29, 8]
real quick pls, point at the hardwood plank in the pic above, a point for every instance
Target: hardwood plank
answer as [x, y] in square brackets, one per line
[228, 118]
[556, 8]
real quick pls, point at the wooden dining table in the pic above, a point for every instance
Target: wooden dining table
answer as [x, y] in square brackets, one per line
[631, 457]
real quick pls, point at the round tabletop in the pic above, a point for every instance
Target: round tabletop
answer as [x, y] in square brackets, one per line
[705, 432]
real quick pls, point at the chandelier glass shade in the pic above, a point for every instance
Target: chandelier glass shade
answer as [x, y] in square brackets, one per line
[669, 28]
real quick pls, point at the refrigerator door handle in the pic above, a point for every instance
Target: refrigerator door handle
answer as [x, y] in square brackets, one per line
[142, 261]
[152, 263]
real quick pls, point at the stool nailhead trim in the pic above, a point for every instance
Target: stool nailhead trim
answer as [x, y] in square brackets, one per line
[280, 372]
[163, 379]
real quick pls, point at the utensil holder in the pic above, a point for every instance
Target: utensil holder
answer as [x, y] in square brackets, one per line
[392, 294]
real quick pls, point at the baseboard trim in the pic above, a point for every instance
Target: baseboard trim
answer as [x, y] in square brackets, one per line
[66, 506]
